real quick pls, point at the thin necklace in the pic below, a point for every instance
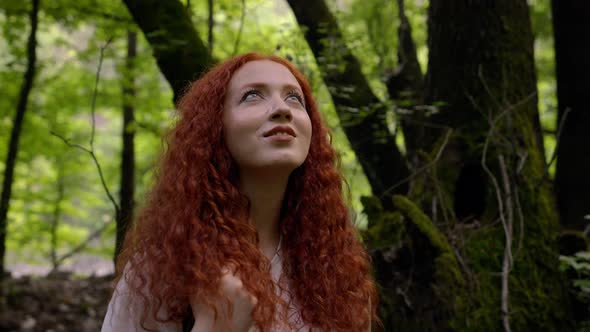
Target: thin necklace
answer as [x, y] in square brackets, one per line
[276, 255]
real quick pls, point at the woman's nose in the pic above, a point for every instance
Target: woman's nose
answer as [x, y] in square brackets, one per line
[281, 110]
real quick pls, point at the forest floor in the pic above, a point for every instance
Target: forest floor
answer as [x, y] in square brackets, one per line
[59, 302]
[36, 300]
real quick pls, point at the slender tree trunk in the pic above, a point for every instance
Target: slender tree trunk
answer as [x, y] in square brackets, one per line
[572, 57]
[21, 109]
[405, 87]
[180, 53]
[361, 113]
[57, 212]
[125, 215]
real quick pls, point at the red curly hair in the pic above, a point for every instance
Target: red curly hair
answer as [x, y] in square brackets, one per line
[194, 223]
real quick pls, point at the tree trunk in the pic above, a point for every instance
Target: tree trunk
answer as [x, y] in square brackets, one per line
[361, 113]
[180, 53]
[489, 171]
[405, 87]
[572, 57]
[21, 109]
[127, 186]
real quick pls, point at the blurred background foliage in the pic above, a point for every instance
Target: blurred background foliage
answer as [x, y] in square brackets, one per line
[58, 200]
[70, 36]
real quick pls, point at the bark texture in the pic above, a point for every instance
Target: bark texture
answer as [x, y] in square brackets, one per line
[361, 113]
[180, 53]
[19, 116]
[572, 55]
[491, 214]
[481, 75]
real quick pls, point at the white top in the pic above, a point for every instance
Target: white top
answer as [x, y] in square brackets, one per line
[121, 317]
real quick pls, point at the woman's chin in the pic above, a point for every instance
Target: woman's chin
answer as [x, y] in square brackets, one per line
[279, 166]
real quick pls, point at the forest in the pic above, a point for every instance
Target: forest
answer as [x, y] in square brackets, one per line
[461, 129]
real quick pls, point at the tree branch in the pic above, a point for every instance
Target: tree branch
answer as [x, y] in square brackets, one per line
[90, 151]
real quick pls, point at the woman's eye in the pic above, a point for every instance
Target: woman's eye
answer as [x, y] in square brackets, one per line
[295, 96]
[249, 95]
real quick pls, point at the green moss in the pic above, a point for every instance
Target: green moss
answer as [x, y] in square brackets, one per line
[422, 221]
[536, 293]
[384, 228]
[449, 281]
[535, 302]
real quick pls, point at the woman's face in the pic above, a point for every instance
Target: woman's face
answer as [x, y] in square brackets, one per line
[265, 120]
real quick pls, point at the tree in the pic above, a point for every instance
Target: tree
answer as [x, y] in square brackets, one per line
[181, 54]
[21, 109]
[405, 86]
[487, 165]
[127, 185]
[361, 113]
[572, 56]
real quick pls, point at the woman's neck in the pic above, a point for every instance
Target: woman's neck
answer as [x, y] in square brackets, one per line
[266, 193]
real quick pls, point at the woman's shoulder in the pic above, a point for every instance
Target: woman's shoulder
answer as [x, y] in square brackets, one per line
[125, 311]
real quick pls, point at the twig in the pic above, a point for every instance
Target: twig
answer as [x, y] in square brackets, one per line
[520, 222]
[56, 215]
[557, 139]
[486, 86]
[96, 80]
[82, 245]
[96, 163]
[507, 263]
[498, 191]
[423, 168]
[90, 151]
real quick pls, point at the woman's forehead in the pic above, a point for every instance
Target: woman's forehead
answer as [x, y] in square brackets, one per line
[262, 72]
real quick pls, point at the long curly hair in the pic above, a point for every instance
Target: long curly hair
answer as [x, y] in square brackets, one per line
[195, 221]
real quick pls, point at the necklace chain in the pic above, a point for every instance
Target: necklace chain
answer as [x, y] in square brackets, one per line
[277, 249]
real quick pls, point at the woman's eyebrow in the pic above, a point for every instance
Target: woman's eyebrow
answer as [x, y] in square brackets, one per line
[261, 85]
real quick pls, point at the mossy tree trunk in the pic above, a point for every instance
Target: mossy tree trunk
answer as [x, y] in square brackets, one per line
[485, 171]
[485, 258]
[572, 54]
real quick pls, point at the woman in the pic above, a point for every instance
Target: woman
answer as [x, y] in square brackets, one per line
[246, 227]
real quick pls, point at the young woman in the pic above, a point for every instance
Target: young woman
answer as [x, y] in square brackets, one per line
[246, 228]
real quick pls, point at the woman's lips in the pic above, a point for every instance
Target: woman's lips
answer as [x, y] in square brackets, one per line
[280, 130]
[280, 138]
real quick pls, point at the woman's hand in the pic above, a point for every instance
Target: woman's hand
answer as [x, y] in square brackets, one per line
[243, 303]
